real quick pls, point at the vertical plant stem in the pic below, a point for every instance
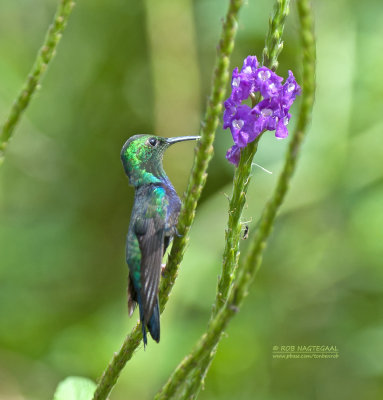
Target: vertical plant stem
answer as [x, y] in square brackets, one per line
[233, 230]
[199, 360]
[271, 51]
[44, 56]
[204, 152]
[273, 47]
[204, 148]
[254, 255]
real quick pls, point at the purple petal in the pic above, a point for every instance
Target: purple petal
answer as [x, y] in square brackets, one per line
[241, 86]
[242, 139]
[267, 111]
[272, 113]
[267, 82]
[250, 65]
[242, 125]
[292, 86]
[289, 91]
[230, 110]
[266, 104]
[233, 155]
[281, 131]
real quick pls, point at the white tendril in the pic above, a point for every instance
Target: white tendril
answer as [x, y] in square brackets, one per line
[262, 168]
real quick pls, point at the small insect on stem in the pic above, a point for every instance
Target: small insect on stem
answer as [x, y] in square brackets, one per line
[245, 229]
[246, 232]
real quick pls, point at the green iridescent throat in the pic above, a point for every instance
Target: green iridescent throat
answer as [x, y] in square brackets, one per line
[143, 165]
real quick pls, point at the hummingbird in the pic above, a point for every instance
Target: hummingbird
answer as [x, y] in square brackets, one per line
[152, 224]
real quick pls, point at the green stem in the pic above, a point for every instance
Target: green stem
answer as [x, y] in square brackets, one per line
[273, 47]
[273, 42]
[254, 255]
[233, 231]
[44, 56]
[204, 152]
[117, 364]
[271, 51]
[199, 360]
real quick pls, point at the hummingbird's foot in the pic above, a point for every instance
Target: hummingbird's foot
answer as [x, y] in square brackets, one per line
[163, 266]
[177, 233]
[172, 231]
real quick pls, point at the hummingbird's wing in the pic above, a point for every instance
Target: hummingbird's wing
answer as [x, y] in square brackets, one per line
[150, 232]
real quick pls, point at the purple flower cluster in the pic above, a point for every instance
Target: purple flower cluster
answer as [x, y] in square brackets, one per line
[271, 113]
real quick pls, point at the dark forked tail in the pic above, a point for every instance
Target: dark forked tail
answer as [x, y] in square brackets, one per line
[153, 324]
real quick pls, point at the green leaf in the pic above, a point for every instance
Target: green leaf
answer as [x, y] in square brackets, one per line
[75, 388]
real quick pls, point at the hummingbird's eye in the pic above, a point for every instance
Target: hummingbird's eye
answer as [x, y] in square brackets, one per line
[153, 141]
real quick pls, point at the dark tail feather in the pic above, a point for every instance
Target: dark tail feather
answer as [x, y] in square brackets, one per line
[154, 323]
[144, 335]
[141, 309]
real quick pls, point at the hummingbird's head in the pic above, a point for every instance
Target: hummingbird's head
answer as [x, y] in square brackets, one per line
[142, 156]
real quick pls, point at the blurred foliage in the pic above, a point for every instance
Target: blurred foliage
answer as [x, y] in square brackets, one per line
[75, 388]
[65, 202]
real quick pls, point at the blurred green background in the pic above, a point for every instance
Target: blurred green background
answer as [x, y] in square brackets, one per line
[126, 67]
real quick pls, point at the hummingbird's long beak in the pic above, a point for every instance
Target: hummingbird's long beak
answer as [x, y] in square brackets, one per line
[177, 139]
